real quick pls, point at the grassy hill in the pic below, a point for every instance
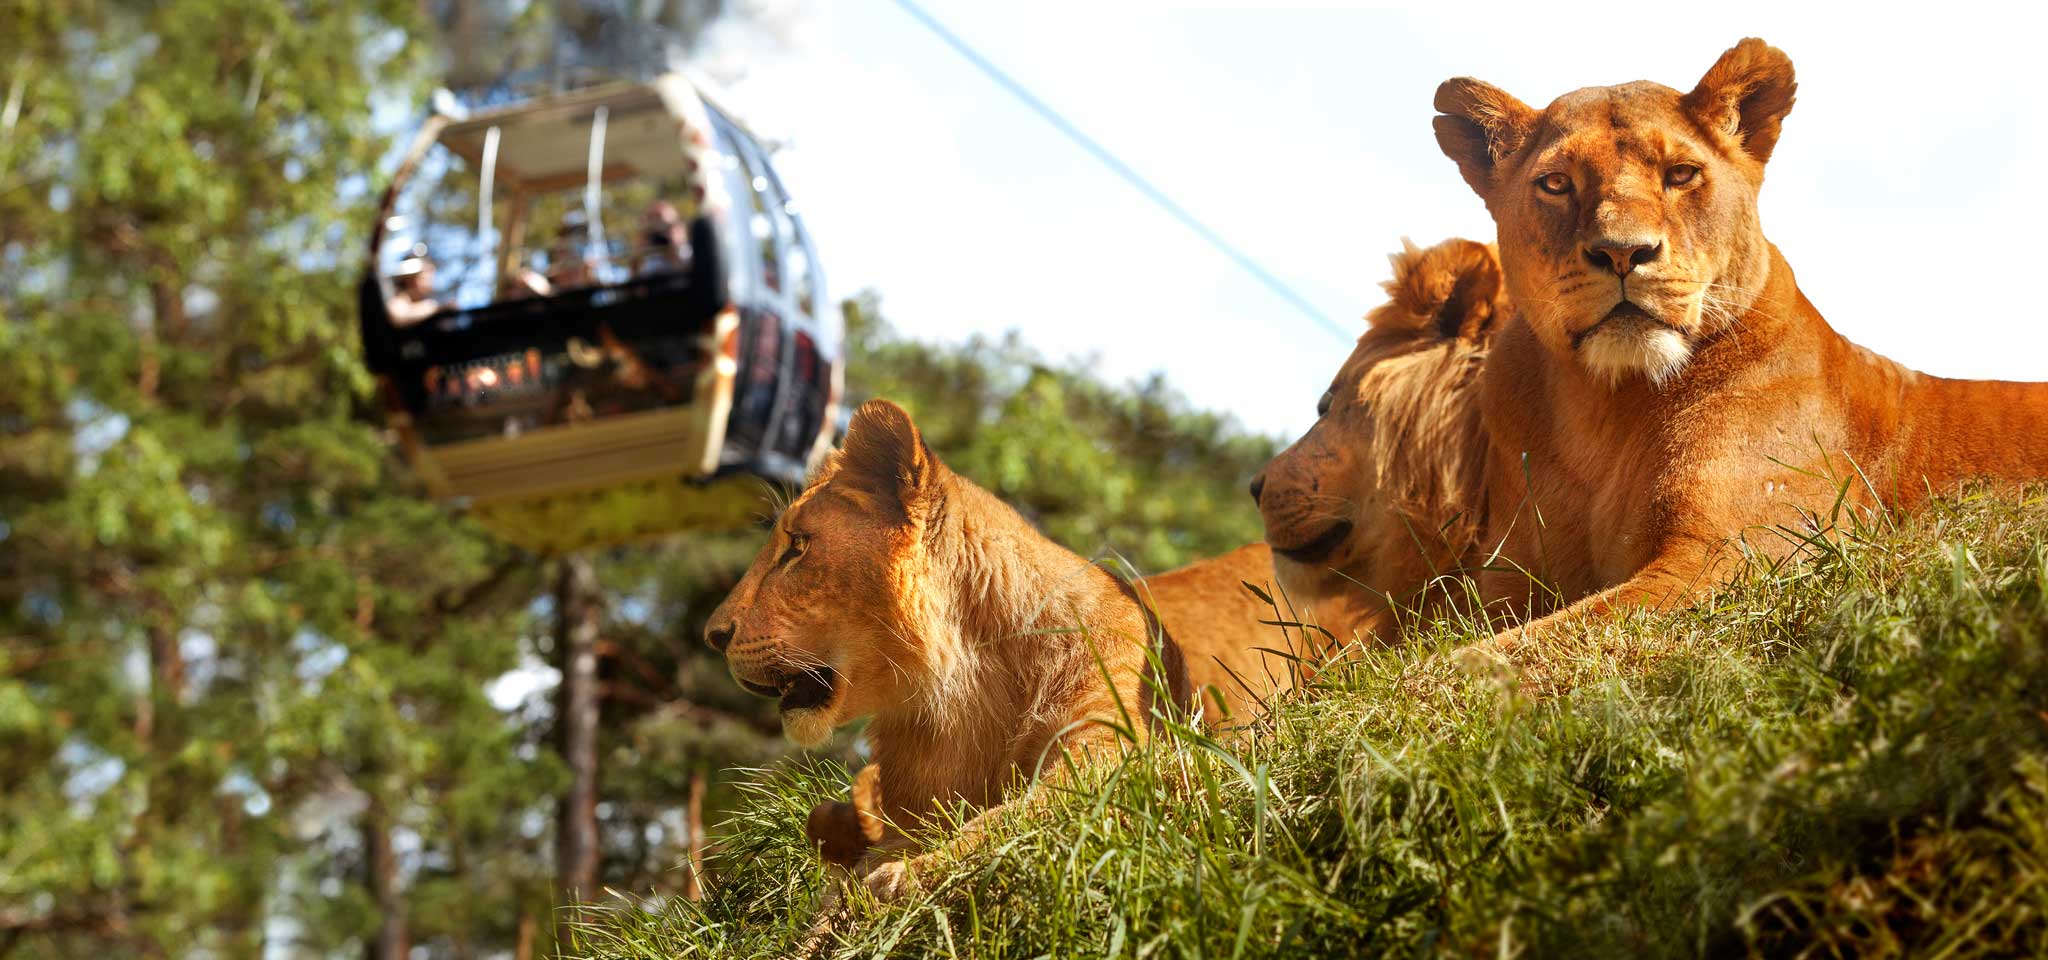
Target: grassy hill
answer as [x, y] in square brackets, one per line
[1846, 755]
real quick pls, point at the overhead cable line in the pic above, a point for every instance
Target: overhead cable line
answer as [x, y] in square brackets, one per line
[1134, 178]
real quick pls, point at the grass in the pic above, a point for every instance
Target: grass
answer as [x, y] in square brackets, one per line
[1842, 756]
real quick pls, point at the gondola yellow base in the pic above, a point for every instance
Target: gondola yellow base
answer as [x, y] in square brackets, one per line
[596, 484]
[614, 515]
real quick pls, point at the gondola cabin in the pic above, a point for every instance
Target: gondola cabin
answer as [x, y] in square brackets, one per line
[596, 316]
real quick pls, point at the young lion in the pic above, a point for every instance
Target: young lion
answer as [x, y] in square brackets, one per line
[896, 590]
[1237, 661]
[1386, 491]
[1667, 388]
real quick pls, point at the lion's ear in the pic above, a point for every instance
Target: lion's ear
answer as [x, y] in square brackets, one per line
[1475, 296]
[1746, 95]
[1452, 290]
[885, 452]
[1481, 123]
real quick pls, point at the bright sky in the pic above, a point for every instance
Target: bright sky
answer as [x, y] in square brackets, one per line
[1906, 182]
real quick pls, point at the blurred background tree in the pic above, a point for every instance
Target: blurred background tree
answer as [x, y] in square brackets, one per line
[241, 658]
[481, 44]
[1124, 470]
[259, 697]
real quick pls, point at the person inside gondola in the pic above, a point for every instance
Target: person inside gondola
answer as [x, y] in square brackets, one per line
[569, 265]
[666, 239]
[412, 301]
[526, 282]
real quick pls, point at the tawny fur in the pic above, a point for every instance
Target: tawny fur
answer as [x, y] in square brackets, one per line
[981, 650]
[1645, 483]
[1237, 660]
[844, 831]
[1399, 455]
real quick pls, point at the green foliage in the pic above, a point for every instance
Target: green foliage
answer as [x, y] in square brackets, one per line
[237, 645]
[227, 624]
[1843, 756]
[1103, 469]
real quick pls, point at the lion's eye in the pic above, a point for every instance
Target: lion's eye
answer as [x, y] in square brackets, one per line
[1323, 405]
[1555, 183]
[1680, 175]
[797, 546]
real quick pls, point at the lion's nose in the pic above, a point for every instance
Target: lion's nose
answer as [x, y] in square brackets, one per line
[718, 635]
[1258, 485]
[1621, 256]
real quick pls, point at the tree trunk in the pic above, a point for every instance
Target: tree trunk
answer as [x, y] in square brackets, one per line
[579, 609]
[167, 301]
[693, 886]
[393, 941]
[523, 948]
[159, 730]
[166, 683]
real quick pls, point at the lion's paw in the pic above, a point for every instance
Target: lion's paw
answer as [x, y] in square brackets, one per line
[834, 829]
[1484, 657]
[893, 880]
[1494, 658]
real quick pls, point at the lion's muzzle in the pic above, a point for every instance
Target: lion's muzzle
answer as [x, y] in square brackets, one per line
[805, 689]
[1622, 256]
[1318, 546]
[809, 690]
[718, 635]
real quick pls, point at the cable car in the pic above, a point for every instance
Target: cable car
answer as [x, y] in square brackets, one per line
[596, 316]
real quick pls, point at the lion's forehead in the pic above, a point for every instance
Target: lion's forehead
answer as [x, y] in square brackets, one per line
[1615, 128]
[1620, 105]
[844, 517]
[827, 501]
[1355, 378]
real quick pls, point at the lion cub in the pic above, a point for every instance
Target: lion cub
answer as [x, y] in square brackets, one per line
[896, 590]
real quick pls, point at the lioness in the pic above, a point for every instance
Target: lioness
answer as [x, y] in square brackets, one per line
[1665, 388]
[1386, 491]
[894, 589]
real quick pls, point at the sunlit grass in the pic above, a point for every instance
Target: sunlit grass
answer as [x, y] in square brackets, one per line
[1847, 755]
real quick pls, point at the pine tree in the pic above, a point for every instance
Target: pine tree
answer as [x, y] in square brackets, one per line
[240, 659]
[257, 693]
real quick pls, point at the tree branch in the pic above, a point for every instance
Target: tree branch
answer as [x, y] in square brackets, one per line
[455, 602]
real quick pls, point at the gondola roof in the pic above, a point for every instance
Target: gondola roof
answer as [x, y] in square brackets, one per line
[545, 145]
